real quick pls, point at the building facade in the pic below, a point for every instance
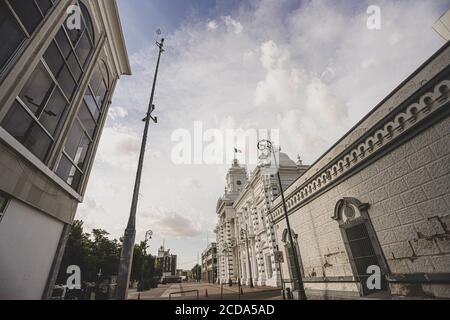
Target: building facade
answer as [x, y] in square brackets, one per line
[166, 262]
[225, 231]
[246, 242]
[209, 263]
[59, 64]
[377, 202]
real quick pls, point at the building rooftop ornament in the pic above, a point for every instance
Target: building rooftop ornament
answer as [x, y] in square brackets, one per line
[442, 26]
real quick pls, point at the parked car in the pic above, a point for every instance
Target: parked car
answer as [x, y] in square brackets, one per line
[171, 279]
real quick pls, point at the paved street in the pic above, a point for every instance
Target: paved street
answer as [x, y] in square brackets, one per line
[206, 291]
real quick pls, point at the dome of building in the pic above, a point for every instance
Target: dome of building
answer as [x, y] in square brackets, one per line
[285, 161]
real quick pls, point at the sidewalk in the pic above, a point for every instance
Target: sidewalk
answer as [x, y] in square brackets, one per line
[206, 291]
[225, 292]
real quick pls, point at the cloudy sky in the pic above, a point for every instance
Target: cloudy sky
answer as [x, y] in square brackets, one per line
[310, 69]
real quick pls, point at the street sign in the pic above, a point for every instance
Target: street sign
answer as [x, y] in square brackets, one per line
[279, 258]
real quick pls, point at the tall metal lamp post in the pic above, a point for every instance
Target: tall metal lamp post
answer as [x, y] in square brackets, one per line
[267, 146]
[244, 235]
[126, 255]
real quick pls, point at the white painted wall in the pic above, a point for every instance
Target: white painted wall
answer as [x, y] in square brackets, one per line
[28, 243]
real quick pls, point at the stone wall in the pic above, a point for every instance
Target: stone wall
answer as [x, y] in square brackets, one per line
[408, 190]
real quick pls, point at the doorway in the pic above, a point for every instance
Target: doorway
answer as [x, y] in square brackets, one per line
[362, 246]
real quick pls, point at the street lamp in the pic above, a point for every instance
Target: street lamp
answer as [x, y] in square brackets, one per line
[244, 235]
[148, 236]
[267, 146]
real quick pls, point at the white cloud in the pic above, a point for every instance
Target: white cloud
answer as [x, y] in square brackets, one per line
[167, 223]
[212, 25]
[119, 147]
[191, 183]
[235, 25]
[273, 57]
[117, 113]
[311, 71]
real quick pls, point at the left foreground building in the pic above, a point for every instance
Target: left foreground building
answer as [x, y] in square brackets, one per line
[59, 64]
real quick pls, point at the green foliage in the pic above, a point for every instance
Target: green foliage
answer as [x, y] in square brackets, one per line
[92, 252]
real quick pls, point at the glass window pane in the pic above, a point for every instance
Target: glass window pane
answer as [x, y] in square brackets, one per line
[28, 13]
[68, 172]
[87, 18]
[64, 167]
[104, 72]
[38, 142]
[74, 33]
[10, 35]
[90, 102]
[83, 50]
[86, 119]
[54, 59]
[73, 140]
[54, 114]
[63, 43]
[74, 178]
[44, 5]
[37, 90]
[67, 83]
[17, 122]
[101, 94]
[82, 152]
[74, 67]
[22, 127]
[96, 80]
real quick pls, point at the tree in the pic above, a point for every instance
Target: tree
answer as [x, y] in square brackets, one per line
[105, 253]
[138, 260]
[91, 253]
[76, 252]
[96, 251]
[196, 272]
[143, 268]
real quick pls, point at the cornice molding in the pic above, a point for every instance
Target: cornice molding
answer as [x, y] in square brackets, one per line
[109, 18]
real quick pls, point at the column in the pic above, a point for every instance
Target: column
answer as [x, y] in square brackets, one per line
[275, 281]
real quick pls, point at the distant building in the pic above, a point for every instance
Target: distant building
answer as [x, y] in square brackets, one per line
[181, 273]
[166, 262]
[56, 86]
[209, 263]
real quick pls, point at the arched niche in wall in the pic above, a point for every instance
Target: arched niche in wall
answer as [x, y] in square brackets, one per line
[350, 209]
[289, 255]
[361, 244]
